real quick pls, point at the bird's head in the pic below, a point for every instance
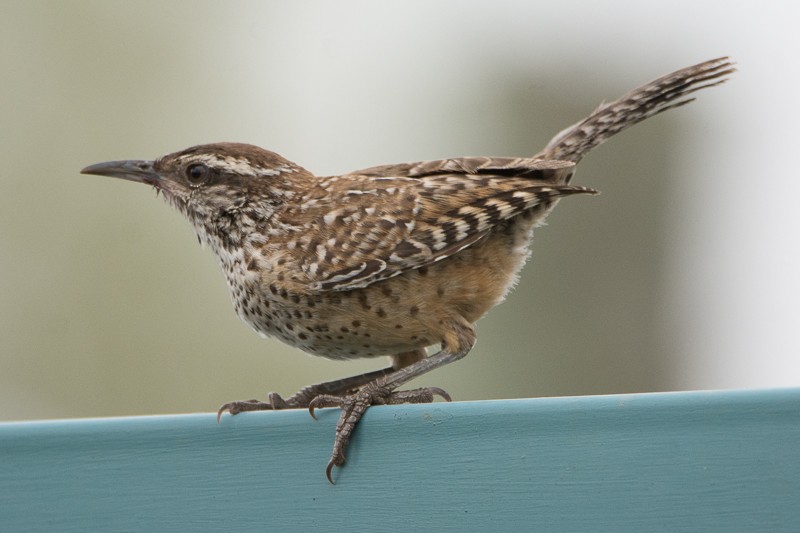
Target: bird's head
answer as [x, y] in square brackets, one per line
[220, 187]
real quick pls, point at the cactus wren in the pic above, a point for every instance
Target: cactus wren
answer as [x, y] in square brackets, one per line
[384, 261]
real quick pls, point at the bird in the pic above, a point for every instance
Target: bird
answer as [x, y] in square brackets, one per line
[385, 261]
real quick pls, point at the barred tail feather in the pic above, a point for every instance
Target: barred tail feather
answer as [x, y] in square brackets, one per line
[665, 93]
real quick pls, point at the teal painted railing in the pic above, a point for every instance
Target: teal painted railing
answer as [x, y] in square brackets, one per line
[699, 461]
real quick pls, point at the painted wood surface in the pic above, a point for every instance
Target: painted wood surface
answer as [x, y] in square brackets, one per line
[700, 461]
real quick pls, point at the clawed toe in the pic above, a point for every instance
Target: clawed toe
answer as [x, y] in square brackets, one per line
[234, 408]
[275, 402]
[355, 405]
[325, 400]
[436, 391]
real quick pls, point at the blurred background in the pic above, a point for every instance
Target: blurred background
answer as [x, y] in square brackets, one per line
[682, 275]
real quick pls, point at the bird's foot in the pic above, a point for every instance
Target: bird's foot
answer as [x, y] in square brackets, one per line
[356, 404]
[273, 403]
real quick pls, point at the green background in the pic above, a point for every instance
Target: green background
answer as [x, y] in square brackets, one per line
[681, 275]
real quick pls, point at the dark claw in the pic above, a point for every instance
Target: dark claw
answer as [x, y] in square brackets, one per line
[323, 400]
[329, 470]
[335, 460]
[234, 408]
[440, 392]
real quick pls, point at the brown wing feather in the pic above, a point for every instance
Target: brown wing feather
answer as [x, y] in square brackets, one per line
[433, 211]
[523, 167]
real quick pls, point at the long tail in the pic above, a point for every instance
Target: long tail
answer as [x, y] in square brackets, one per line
[643, 102]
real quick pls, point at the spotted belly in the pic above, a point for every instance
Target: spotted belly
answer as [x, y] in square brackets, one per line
[396, 315]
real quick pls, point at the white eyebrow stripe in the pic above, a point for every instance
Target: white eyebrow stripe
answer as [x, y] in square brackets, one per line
[235, 165]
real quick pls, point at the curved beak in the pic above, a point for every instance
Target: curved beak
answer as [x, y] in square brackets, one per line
[141, 171]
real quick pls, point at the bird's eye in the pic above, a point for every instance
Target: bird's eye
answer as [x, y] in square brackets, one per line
[197, 174]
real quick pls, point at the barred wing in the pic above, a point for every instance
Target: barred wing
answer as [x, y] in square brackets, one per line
[391, 224]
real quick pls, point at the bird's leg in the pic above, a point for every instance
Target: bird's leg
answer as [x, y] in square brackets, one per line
[303, 397]
[456, 343]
